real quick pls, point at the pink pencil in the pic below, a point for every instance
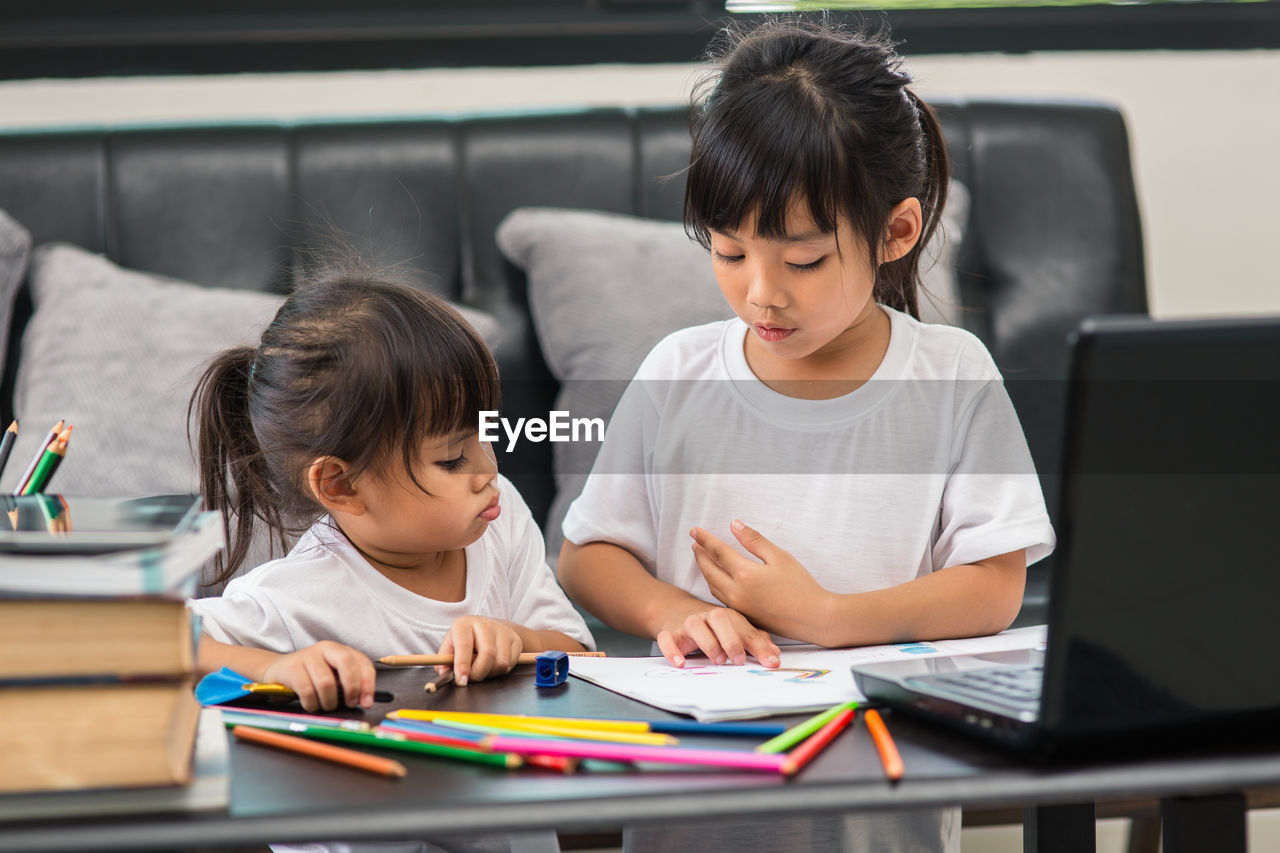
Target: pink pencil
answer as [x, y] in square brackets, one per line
[631, 752]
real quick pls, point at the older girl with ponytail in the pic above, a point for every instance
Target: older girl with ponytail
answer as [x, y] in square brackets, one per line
[824, 468]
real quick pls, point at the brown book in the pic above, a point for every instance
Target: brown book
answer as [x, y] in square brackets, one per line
[51, 638]
[85, 736]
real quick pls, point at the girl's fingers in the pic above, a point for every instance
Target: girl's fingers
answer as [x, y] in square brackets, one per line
[354, 672]
[762, 647]
[713, 547]
[320, 690]
[701, 634]
[483, 663]
[462, 654]
[668, 647]
[730, 640]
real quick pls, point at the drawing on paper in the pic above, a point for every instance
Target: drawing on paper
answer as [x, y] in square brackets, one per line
[790, 673]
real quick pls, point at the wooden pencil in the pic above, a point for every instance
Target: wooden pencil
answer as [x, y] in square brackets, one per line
[447, 660]
[442, 680]
[328, 752]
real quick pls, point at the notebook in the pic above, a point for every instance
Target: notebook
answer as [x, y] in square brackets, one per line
[1162, 609]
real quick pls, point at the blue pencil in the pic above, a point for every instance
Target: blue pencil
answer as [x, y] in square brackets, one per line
[691, 727]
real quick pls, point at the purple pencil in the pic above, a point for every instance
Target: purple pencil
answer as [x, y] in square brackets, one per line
[740, 760]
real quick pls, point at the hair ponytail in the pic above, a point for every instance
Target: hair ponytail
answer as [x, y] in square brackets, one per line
[234, 479]
[354, 365]
[898, 282]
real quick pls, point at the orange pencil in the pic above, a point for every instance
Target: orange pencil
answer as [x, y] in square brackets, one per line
[328, 752]
[816, 742]
[888, 750]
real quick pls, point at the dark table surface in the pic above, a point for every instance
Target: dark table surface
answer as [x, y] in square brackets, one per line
[279, 796]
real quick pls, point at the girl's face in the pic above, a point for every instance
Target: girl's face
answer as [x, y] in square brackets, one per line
[805, 301]
[457, 500]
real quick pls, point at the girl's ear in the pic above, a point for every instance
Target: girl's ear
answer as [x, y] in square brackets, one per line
[905, 223]
[333, 487]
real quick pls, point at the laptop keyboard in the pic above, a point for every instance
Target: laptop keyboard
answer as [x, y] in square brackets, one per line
[1017, 685]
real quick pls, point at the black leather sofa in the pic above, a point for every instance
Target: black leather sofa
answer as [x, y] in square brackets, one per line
[1053, 232]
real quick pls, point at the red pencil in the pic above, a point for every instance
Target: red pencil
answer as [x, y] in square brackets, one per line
[816, 742]
[888, 750]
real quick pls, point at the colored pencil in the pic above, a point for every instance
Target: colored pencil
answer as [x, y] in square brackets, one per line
[394, 740]
[818, 741]
[544, 730]
[447, 660]
[738, 759]
[472, 739]
[444, 679]
[662, 726]
[64, 437]
[888, 750]
[48, 463]
[337, 754]
[48, 439]
[570, 726]
[263, 717]
[797, 733]
[6, 444]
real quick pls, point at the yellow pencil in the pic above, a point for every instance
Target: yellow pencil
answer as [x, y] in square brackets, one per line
[625, 732]
[506, 727]
[479, 717]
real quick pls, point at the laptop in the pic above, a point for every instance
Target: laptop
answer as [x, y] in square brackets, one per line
[1162, 615]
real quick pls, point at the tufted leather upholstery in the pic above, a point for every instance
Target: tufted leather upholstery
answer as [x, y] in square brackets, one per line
[1053, 236]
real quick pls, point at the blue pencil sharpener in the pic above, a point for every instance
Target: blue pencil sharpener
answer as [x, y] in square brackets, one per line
[551, 669]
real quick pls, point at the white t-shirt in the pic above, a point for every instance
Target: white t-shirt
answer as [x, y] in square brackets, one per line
[922, 467]
[325, 590]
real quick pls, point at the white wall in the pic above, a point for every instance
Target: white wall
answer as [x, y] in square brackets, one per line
[1205, 129]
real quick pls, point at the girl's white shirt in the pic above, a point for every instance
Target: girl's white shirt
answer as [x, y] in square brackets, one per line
[924, 466]
[325, 590]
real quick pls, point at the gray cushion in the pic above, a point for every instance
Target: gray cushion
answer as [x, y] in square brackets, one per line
[117, 353]
[604, 288]
[15, 250]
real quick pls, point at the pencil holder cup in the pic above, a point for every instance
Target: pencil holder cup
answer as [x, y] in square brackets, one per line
[551, 669]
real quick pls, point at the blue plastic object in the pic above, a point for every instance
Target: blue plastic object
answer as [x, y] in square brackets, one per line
[552, 668]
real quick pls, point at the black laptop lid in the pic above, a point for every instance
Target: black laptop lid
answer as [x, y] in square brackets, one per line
[1163, 609]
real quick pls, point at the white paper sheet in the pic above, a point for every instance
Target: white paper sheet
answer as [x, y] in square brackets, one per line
[809, 679]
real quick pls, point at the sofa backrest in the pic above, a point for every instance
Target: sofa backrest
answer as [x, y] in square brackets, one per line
[1053, 232]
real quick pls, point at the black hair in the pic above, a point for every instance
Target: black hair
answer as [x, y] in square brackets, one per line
[798, 110]
[354, 366]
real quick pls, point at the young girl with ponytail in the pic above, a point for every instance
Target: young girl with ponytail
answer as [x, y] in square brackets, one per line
[824, 468]
[356, 420]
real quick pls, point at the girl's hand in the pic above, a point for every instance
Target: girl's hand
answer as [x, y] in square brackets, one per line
[316, 672]
[723, 635]
[776, 592]
[480, 647]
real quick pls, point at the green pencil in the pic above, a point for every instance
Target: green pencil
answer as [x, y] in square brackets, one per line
[390, 740]
[48, 462]
[799, 732]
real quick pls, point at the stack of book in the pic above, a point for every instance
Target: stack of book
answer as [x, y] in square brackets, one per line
[97, 647]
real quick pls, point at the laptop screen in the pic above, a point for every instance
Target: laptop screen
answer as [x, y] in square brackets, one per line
[1163, 603]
